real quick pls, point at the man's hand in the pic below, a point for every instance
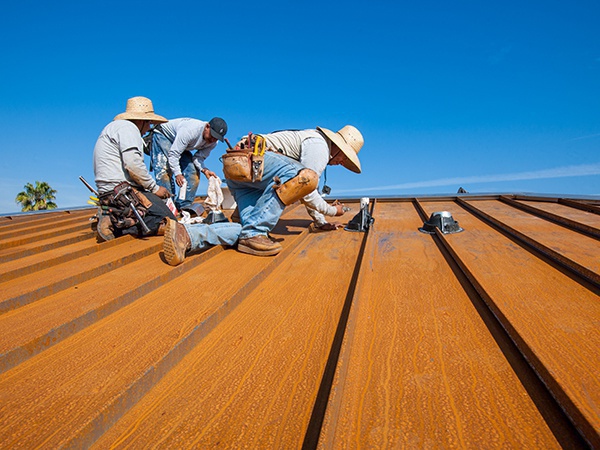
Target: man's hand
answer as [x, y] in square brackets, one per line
[209, 173]
[339, 207]
[162, 192]
[179, 179]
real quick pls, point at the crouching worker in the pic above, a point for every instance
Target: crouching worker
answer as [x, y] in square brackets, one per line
[289, 171]
[130, 200]
[183, 238]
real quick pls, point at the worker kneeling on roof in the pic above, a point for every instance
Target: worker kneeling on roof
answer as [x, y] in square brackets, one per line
[130, 200]
[287, 171]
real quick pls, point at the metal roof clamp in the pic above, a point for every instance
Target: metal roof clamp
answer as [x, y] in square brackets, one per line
[442, 220]
[215, 217]
[363, 220]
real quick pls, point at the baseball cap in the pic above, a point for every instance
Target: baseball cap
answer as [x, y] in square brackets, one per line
[218, 128]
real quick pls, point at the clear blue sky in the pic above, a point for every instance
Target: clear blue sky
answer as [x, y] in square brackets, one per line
[491, 96]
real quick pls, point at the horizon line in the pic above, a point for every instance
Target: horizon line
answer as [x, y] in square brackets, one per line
[558, 172]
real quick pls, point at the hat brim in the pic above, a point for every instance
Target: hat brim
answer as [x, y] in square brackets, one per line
[351, 162]
[216, 135]
[151, 117]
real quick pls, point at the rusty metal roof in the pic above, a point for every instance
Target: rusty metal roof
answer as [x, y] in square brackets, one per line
[487, 338]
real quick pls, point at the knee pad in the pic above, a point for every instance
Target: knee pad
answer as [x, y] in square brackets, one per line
[296, 188]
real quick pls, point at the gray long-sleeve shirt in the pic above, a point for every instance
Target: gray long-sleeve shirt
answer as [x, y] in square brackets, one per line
[186, 134]
[118, 157]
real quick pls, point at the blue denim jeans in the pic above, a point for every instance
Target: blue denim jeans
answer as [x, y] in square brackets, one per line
[204, 236]
[159, 163]
[259, 205]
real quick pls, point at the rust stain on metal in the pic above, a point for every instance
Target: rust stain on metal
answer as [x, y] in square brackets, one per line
[485, 338]
[563, 210]
[555, 328]
[419, 368]
[253, 380]
[581, 249]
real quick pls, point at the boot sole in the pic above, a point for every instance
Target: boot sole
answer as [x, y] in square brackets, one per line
[169, 246]
[103, 229]
[251, 251]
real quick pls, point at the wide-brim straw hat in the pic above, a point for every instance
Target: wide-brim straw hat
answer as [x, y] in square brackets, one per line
[348, 140]
[140, 108]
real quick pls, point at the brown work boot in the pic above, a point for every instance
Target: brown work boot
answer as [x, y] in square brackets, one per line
[259, 245]
[162, 226]
[104, 228]
[176, 242]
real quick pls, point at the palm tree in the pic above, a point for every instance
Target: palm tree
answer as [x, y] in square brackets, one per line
[38, 197]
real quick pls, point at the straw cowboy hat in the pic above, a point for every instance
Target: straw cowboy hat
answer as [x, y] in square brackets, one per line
[140, 108]
[348, 140]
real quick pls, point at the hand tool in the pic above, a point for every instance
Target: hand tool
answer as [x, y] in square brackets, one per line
[344, 207]
[123, 193]
[94, 191]
[260, 145]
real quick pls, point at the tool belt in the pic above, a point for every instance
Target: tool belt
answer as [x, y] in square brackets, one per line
[125, 205]
[245, 162]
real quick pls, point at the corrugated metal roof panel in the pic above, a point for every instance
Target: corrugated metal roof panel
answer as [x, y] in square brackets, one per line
[484, 338]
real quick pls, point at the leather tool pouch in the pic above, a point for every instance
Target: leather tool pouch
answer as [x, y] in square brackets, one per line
[245, 164]
[237, 165]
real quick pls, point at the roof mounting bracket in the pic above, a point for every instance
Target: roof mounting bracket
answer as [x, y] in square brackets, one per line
[363, 220]
[442, 220]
